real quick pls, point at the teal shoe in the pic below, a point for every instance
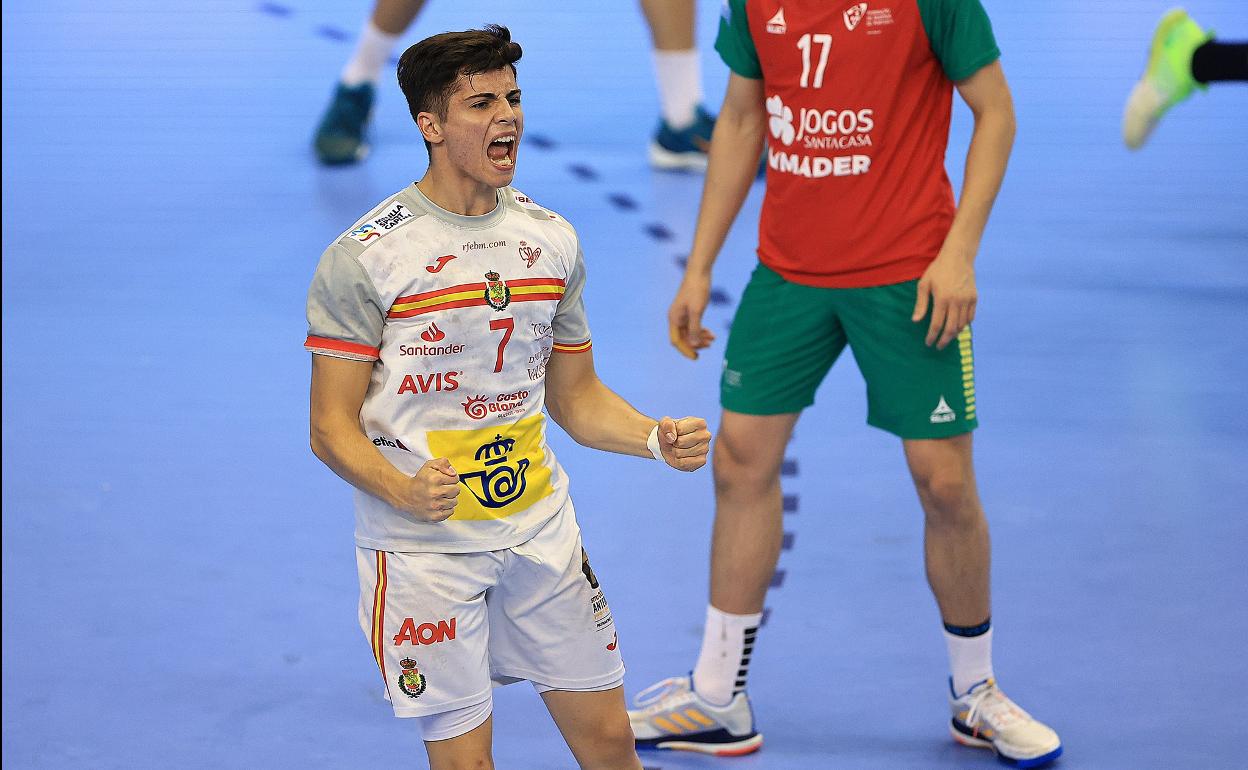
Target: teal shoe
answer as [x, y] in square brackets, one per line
[684, 149]
[340, 137]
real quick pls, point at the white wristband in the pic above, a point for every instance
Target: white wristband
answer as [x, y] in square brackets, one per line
[653, 442]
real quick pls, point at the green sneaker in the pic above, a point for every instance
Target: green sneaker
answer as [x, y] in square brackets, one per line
[340, 137]
[1167, 79]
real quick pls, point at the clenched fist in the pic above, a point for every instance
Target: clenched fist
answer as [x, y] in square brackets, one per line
[432, 493]
[684, 443]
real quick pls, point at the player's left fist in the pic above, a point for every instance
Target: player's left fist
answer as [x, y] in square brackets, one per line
[684, 443]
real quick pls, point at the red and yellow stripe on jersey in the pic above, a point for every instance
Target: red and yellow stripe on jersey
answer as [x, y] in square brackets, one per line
[579, 347]
[377, 635]
[474, 294]
[343, 348]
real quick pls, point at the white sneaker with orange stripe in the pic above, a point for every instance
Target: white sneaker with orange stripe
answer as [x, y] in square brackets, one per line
[670, 715]
[985, 718]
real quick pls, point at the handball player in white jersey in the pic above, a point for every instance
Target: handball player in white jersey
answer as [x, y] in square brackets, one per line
[443, 323]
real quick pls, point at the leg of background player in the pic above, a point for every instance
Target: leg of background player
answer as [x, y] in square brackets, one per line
[957, 551]
[340, 135]
[745, 546]
[685, 128]
[1182, 58]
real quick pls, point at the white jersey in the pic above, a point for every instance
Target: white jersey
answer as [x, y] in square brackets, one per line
[459, 315]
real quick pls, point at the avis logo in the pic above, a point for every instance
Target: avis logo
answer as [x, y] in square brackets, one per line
[500, 484]
[780, 120]
[433, 334]
[423, 383]
[529, 254]
[853, 15]
[439, 263]
[425, 633]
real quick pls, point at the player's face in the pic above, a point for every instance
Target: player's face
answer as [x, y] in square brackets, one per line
[483, 126]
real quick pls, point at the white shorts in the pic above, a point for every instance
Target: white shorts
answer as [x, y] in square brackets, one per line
[446, 627]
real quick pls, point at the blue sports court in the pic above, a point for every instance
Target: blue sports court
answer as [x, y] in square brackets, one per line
[179, 576]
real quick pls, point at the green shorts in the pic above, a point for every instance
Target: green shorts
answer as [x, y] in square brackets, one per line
[786, 336]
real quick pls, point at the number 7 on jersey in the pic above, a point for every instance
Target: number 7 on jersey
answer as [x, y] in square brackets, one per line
[506, 326]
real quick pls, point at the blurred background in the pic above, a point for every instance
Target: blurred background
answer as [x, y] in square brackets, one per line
[179, 586]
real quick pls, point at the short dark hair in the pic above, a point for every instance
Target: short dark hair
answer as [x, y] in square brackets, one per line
[429, 69]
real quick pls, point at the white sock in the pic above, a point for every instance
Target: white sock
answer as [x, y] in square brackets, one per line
[679, 77]
[970, 659]
[371, 53]
[724, 663]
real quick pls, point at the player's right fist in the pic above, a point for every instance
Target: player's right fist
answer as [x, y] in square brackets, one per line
[431, 494]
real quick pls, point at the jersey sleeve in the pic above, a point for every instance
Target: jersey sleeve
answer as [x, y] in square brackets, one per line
[960, 35]
[345, 313]
[734, 44]
[570, 325]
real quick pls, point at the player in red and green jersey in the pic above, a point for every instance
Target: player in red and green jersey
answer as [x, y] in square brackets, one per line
[861, 244]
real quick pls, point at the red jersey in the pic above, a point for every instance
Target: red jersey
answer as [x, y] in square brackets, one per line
[858, 99]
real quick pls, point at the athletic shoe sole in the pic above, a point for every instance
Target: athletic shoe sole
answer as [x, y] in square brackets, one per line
[729, 749]
[662, 158]
[980, 743]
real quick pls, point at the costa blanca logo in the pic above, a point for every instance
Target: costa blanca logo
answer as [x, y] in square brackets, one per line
[853, 15]
[530, 254]
[478, 407]
[781, 120]
[500, 483]
[411, 681]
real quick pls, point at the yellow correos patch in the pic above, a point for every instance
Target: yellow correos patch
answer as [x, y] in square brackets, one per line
[502, 470]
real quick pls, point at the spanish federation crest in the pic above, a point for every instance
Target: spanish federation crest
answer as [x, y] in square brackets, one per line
[497, 293]
[411, 681]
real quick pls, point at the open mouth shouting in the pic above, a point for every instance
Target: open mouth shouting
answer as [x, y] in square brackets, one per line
[502, 151]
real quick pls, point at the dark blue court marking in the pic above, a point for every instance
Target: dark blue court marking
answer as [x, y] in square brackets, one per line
[273, 9]
[790, 504]
[583, 172]
[788, 467]
[540, 141]
[681, 261]
[720, 297]
[333, 33]
[659, 232]
[787, 543]
[622, 201]
[777, 579]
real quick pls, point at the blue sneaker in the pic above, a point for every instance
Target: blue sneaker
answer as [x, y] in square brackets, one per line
[340, 137]
[684, 149]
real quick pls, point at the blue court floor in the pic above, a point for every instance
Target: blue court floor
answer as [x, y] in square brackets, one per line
[179, 581]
